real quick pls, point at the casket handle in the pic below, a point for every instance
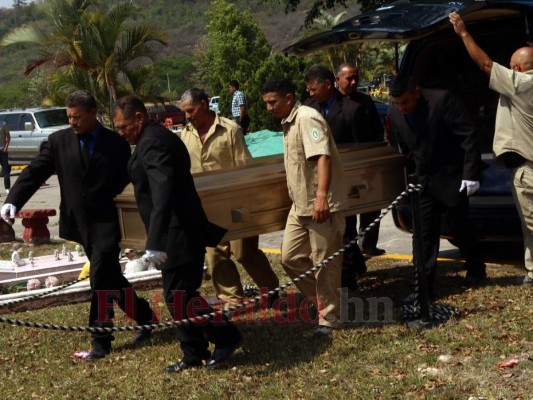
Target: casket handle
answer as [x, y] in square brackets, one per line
[239, 214]
[355, 191]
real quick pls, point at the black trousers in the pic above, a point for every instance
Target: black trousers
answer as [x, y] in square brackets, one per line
[109, 285]
[353, 263]
[243, 122]
[6, 169]
[465, 234]
[180, 287]
[370, 240]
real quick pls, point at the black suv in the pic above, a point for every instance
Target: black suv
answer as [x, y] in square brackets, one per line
[436, 56]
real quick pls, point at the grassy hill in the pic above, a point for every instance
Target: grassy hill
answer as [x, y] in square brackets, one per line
[184, 20]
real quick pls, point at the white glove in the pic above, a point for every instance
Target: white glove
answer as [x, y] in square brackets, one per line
[470, 186]
[8, 213]
[155, 256]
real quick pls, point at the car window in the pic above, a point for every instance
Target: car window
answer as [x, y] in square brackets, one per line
[172, 108]
[12, 121]
[49, 118]
[156, 109]
[23, 119]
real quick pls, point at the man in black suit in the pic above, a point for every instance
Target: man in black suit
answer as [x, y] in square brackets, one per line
[347, 121]
[433, 129]
[347, 82]
[177, 231]
[90, 162]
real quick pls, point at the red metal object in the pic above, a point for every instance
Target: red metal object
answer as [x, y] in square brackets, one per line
[35, 225]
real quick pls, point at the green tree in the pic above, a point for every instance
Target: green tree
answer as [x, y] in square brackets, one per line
[277, 65]
[87, 46]
[168, 78]
[234, 48]
[337, 54]
[15, 95]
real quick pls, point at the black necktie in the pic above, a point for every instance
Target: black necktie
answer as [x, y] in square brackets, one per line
[324, 109]
[84, 147]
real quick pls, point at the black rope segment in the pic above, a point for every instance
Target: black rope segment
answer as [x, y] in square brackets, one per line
[437, 312]
[200, 318]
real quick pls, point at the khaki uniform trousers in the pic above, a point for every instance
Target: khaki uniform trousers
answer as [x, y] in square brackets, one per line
[523, 195]
[225, 276]
[305, 244]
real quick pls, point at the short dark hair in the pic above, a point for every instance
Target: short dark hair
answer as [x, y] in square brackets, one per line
[129, 105]
[278, 85]
[319, 73]
[401, 84]
[235, 84]
[196, 95]
[81, 98]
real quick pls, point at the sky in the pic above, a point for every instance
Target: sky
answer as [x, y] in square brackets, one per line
[7, 3]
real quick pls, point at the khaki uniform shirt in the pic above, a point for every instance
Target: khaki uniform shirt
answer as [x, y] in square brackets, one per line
[514, 117]
[224, 146]
[306, 134]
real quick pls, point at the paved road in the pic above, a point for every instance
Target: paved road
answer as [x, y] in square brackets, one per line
[390, 238]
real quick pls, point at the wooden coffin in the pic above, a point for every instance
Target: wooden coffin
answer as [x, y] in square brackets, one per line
[253, 199]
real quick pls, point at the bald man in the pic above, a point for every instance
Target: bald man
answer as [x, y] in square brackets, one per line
[514, 124]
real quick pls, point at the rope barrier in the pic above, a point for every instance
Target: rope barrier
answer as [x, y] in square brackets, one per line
[437, 312]
[410, 311]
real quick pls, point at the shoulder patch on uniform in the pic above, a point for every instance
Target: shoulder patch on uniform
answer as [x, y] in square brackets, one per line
[315, 134]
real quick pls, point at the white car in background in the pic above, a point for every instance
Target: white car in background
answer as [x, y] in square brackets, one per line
[213, 104]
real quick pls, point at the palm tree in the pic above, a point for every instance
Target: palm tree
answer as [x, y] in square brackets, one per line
[84, 46]
[336, 54]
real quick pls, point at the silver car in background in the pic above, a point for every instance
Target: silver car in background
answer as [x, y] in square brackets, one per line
[29, 128]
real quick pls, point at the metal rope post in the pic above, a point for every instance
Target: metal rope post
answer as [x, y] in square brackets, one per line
[429, 316]
[421, 286]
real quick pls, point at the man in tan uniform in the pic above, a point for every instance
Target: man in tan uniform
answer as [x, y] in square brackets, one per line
[315, 179]
[215, 142]
[514, 125]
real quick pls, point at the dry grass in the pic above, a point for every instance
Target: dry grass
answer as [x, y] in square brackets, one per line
[283, 361]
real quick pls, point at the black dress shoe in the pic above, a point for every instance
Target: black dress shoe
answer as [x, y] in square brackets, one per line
[376, 251]
[525, 280]
[182, 365]
[322, 332]
[95, 355]
[473, 280]
[220, 355]
[143, 336]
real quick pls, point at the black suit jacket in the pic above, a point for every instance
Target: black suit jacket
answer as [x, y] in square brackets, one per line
[439, 138]
[346, 118]
[168, 203]
[87, 212]
[374, 132]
